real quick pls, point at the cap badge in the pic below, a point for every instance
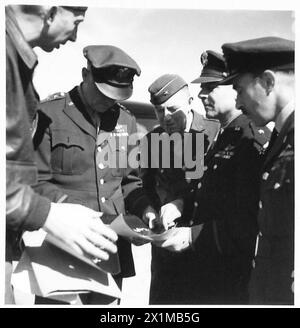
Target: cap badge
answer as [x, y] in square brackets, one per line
[204, 59]
[165, 93]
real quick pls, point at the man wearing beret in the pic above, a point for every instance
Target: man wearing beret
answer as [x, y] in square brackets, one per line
[174, 275]
[226, 203]
[262, 73]
[76, 128]
[47, 27]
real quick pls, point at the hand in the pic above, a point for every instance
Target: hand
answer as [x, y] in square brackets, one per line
[151, 219]
[178, 242]
[170, 212]
[82, 229]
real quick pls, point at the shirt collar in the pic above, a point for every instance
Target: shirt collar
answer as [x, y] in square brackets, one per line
[283, 115]
[22, 46]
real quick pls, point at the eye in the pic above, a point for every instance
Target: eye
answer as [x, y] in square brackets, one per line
[238, 90]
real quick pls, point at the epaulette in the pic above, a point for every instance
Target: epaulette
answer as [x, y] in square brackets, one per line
[261, 135]
[54, 96]
[211, 120]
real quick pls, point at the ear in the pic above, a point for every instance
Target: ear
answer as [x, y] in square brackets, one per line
[268, 77]
[190, 100]
[51, 15]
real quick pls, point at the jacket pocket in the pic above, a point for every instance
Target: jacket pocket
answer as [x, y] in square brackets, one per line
[67, 153]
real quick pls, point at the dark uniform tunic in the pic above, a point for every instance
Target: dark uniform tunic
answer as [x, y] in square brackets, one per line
[70, 170]
[227, 204]
[172, 274]
[272, 279]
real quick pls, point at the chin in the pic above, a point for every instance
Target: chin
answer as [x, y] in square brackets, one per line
[48, 48]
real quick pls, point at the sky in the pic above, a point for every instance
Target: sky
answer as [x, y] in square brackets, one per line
[167, 40]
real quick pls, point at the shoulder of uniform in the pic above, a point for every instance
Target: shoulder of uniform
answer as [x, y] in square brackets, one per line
[124, 109]
[54, 96]
[211, 122]
[211, 126]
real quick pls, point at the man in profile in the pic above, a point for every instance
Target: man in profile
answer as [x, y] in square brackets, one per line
[46, 27]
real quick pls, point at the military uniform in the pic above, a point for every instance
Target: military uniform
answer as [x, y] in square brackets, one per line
[173, 275]
[272, 279]
[269, 57]
[226, 202]
[68, 145]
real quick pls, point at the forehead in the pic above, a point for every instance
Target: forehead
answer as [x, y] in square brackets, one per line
[243, 80]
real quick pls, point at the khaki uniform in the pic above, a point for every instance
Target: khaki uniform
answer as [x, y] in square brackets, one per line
[68, 147]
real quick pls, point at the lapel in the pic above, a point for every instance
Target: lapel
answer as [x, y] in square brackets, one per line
[197, 123]
[75, 110]
[279, 142]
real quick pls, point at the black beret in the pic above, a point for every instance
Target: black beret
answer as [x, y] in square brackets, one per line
[113, 70]
[258, 54]
[214, 68]
[165, 87]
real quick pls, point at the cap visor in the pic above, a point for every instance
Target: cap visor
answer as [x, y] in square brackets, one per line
[206, 79]
[113, 92]
[229, 79]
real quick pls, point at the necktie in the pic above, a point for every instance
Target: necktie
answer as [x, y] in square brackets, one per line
[273, 138]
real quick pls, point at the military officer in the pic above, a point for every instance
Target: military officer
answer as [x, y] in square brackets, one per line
[173, 274]
[77, 128]
[226, 200]
[262, 72]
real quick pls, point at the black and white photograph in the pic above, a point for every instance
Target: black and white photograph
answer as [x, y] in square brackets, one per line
[149, 154]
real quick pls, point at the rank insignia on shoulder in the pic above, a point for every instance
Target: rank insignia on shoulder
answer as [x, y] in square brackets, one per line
[124, 109]
[54, 96]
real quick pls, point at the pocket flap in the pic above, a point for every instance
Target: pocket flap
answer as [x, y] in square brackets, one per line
[66, 138]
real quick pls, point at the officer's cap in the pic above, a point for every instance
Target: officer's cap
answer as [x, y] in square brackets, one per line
[113, 70]
[213, 67]
[258, 54]
[165, 87]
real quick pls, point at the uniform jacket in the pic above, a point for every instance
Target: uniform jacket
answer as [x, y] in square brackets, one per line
[272, 276]
[25, 210]
[167, 184]
[227, 195]
[174, 278]
[68, 149]
[226, 201]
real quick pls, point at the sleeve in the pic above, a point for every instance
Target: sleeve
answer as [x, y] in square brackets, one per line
[25, 209]
[135, 195]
